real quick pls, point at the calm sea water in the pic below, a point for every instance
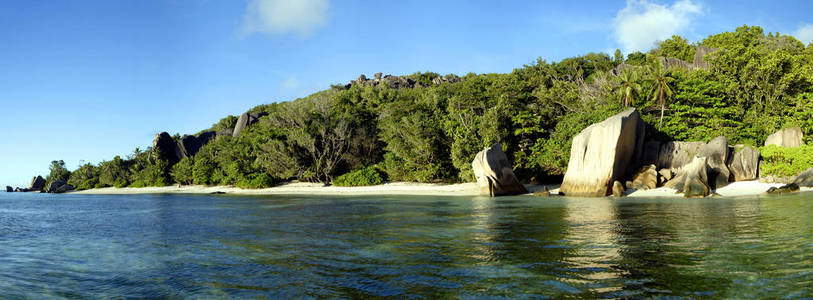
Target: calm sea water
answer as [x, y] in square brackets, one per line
[96, 246]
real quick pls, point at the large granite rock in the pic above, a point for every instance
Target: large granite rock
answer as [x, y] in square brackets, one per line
[716, 154]
[603, 153]
[59, 186]
[692, 179]
[37, 184]
[743, 163]
[494, 174]
[699, 57]
[674, 155]
[165, 148]
[190, 144]
[245, 120]
[805, 179]
[646, 178]
[651, 151]
[9, 189]
[788, 137]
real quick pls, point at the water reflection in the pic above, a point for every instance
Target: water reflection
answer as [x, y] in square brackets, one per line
[456, 247]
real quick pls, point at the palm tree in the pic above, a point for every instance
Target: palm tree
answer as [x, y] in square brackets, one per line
[628, 86]
[661, 91]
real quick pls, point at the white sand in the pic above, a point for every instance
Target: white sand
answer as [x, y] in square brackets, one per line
[734, 189]
[395, 188]
[742, 188]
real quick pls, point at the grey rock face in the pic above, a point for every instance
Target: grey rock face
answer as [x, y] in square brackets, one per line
[58, 186]
[494, 174]
[602, 153]
[190, 144]
[692, 179]
[716, 152]
[646, 178]
[37, 184]
[674, 155]
[788, 137]
[743, 163]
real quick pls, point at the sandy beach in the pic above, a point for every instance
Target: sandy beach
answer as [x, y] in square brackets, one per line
[742, 188]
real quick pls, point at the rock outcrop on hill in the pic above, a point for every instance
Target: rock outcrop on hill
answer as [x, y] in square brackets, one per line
[788, 137]
[743, 162]
[399, 82]
[603, 153]
[190, 144]
[165, 148]
[494, 174]
[245, 120]
[692, 179]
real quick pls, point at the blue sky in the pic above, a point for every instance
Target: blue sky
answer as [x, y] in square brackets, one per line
[88, 80]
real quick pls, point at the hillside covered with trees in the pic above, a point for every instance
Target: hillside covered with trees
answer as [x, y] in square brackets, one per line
[749, 84]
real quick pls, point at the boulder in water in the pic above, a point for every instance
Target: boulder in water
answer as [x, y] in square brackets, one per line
[59, 186]
[494, 174]
[603, 153]
[785, 189]
[692, 179]
[9, 189]
[788, 137]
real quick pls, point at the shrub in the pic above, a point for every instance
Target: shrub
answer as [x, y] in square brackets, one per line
[139, 184]
[88, 184]
[784, 161]
[255, 181]
[361, 177]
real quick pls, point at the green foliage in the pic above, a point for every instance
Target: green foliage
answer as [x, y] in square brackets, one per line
[756, 84]
[785, 161]
[58, 172]
[256, 181]
[361, 177]
[676, 47]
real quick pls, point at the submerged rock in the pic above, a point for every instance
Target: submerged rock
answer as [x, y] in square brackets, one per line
[744, 163]
[788, 137]
[646, 178]
[618, 189]
[603, 153]
[785, 189]
[494, 174]
[692, 179]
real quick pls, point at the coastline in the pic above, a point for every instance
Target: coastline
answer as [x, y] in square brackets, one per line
[735, 189]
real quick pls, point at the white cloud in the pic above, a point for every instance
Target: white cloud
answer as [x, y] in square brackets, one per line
[299, 17]
[640, 24]
[804, 33]
[290, 83]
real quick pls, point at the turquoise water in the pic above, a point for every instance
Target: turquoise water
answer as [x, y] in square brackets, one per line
[96, 246]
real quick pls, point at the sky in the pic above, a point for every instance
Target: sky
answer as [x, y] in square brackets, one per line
[83, 81]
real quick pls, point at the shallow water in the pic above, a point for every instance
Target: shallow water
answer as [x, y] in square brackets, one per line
[99, 246]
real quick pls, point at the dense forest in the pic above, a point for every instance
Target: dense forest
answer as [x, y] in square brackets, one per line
[749, 85]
